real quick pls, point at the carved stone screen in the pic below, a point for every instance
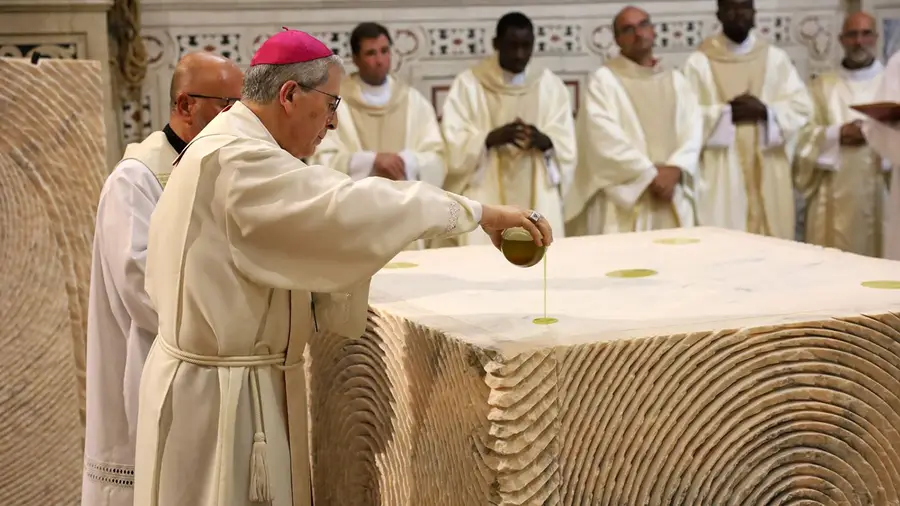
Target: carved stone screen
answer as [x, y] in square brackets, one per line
[52, 160]
[688, 367]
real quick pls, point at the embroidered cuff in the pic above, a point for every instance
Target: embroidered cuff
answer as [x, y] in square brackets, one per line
[109, 473]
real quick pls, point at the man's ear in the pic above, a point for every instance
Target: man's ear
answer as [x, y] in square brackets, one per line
[183, 104]
[287, 92]
[495, 42]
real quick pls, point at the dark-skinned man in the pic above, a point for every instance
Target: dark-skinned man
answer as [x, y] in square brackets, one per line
[754, 103]
[843, 181]
[509, 129]
[639, 137]
[386, 128]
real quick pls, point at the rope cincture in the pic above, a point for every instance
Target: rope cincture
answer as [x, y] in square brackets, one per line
[260, 481]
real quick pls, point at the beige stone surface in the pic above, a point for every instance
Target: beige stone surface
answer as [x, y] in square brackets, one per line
[52, 160]
[746, 371]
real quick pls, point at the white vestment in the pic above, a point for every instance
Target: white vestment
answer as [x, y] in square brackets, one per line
[486, 97]
[416, 137]
[623, 135]
[122, 323]
[251, 254]
[885, 140]
[745, 170]
[423, 150]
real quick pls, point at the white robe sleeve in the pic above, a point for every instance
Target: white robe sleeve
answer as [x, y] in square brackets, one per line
[830, 149]
[689, 128]
[558, 124]
[723, 132]
[771, 136]
[424, 155]
[124, 225]
[465, 138]
[299, 227]
[361, 164]
[792, 108]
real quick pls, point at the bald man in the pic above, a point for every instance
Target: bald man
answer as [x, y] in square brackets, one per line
[639, 139]
[844, 182]
[121, 322]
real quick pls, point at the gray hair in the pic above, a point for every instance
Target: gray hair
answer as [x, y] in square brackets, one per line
[263, 82]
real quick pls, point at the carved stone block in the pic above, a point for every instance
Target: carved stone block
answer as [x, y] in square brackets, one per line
[688, 367]
[52, 159]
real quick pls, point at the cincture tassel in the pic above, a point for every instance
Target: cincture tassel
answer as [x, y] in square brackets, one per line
[260, 486]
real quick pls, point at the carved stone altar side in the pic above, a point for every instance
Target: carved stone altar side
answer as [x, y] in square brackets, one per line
[747, 371]
[51, 169]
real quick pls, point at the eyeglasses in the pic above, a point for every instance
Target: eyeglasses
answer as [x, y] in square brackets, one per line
[333, 105]
[228, 101]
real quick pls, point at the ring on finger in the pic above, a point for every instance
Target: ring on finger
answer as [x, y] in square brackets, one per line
[534, 216]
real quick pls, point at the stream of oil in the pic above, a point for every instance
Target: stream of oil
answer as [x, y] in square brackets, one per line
[545, 320]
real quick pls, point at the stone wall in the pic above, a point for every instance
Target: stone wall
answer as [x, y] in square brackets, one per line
[433, 41]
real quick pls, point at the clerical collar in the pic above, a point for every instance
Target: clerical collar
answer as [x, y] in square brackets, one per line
[177, 144]
[375, 95]
[513, 79]
[742, 48]
[863, 74]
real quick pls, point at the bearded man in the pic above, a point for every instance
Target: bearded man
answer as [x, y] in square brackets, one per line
[844, 182]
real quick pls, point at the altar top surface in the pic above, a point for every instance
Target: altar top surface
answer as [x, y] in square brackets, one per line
[725, 280]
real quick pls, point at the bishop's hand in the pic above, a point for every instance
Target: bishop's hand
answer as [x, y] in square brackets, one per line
[748, 109]
[495, 219]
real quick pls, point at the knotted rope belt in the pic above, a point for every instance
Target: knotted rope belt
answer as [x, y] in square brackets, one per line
[260, 486]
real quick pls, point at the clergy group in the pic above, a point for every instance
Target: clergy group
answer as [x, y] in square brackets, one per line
[732, 138]
[277, 193]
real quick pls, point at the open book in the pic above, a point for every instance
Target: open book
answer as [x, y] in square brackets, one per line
[884, 112]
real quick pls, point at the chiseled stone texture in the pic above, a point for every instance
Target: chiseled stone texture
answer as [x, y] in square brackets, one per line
[52, 159]
[746, 371]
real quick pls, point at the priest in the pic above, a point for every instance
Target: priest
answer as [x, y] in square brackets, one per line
[754, 104]
[122, 322]
[884, 138]
[509, 129]
[843, 181]
[387, 129]
[251, 254]
[639, 138]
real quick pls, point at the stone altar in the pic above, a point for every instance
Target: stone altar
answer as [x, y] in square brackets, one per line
[52, 163]
[738, 370]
